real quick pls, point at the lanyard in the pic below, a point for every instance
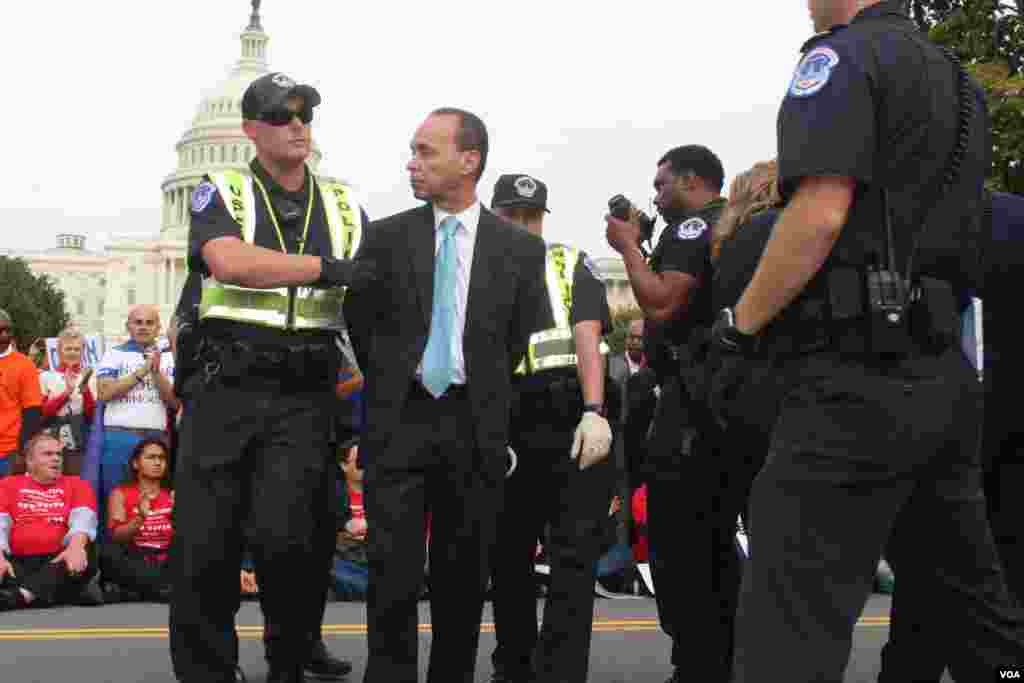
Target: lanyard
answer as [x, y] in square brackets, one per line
[273, 215]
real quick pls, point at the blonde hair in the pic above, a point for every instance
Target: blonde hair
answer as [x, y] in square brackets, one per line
[67, 334]
[751, 192]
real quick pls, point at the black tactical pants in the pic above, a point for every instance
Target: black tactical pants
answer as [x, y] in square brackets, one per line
[867, 458]
[696, 488]
[913, 651]
[325, 535]
[253, 457]
[548, 488]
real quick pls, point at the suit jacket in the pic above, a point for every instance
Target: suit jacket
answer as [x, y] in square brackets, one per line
[389, 324]
[618, 372]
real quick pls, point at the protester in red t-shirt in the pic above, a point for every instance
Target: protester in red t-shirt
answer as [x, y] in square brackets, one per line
[47, 526]
[139, 519]
[640, 551]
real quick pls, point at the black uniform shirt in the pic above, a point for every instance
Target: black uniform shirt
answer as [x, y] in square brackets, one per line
[874, 101]
[738, 258]
[210, 220]
[589, 299]
[684, 247]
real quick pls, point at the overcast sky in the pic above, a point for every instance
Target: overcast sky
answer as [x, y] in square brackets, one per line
[585, 96]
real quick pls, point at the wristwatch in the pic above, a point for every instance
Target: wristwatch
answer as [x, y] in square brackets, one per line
[725, 336]
[594, 408]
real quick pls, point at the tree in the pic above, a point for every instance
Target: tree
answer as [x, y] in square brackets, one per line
[35, 304]
[988, 36]
[621, 317]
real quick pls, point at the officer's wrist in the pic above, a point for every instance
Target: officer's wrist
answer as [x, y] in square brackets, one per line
[728, 337]
[594, 408]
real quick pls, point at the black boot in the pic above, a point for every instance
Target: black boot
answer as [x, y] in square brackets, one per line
[323, 666]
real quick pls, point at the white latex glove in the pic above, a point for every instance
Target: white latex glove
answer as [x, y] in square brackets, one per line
[593, 440]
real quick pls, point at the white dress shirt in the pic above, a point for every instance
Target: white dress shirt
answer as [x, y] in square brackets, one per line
[465, 242]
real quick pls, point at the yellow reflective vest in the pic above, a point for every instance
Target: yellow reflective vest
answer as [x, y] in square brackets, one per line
[287, 308]
[556, 347]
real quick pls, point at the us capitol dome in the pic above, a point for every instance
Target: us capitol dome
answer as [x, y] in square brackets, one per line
[99, 287]
[215, 141]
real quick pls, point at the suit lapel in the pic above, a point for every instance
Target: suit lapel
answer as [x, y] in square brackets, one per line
[480, 275]
[421, 253]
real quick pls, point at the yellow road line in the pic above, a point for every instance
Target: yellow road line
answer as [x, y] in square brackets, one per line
[254, 632]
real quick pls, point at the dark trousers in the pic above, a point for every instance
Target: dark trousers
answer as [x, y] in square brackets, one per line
[135, 570]
[867, 458]
[49, 582]
[432, 465]
[696, 488]
[913, 652]
[325, 535]
[548, 488]
[252, 460]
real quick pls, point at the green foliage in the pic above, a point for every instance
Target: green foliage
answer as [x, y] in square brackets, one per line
[621, 317]
[35, 304]
[988, 35]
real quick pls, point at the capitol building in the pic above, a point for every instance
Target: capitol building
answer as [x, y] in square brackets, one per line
[99, 287]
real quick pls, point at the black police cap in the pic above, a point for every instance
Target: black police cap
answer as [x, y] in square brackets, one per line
[515, 190]
[270, 92]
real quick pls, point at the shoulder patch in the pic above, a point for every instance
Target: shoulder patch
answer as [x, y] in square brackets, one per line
[591, 267]
[691, 229]
[202, 196]
[813, 72]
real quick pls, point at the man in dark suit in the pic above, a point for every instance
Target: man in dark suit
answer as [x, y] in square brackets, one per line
[438, 340]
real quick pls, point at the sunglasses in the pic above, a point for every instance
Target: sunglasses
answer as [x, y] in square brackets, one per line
[282, 117]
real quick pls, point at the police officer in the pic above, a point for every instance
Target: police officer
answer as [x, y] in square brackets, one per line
[694, 564]
[560, 475]
[882, 153]
[261, 358]
[912, 647]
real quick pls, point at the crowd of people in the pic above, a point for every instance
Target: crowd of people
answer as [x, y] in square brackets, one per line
[128, 484]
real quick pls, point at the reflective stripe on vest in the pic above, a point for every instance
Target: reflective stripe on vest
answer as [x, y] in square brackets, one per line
[295, 308]
[556, 347]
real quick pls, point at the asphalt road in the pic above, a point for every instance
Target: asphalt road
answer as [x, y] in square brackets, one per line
[128, 643]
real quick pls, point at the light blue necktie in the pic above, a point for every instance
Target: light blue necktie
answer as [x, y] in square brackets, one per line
[439, 356]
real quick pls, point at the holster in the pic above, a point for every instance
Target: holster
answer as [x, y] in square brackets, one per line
[836, 317]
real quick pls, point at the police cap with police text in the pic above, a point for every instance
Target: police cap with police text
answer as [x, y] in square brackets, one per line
[270, 92]
[515, 190]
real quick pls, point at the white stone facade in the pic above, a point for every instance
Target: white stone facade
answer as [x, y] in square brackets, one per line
[152, 269]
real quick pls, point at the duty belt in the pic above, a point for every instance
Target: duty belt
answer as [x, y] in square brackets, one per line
[236, 359]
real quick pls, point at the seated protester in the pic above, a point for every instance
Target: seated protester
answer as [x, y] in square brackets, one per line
[640, 549]
[247, 580]
[47, 527]
[135, 382]
[617, 558]
[139, 520]
[350, 566]
[68, 400]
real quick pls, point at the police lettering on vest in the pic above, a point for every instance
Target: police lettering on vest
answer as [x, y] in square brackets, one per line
[294, 308]
[556, 347]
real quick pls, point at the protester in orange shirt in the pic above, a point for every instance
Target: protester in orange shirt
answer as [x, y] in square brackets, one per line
[21, 399]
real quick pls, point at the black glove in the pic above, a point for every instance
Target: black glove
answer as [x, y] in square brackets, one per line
[730, 357]
[345, 273]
